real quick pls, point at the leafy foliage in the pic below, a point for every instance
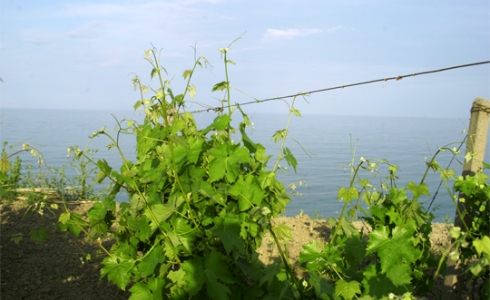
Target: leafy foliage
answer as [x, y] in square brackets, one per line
[391, 258]
[199, 204]
[472, 242]
[11, 172]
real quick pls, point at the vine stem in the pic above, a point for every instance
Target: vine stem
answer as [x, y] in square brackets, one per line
[228, 90]
[115, 142]
[429, 166]
[66, 210]
[289, 271]
[28, 148]
[342, 213]
[171, 145]
[443, 259]
[283, 140]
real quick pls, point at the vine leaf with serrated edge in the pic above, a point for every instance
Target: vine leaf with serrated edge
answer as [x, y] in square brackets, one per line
[149, 262]
[229, 234]
[248, 192]
[347, 289]
[39, 235]
[211, 271]
[118, 270]
[395, 252]
[146, 291]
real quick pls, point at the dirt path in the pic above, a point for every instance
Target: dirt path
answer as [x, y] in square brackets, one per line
[54, 269]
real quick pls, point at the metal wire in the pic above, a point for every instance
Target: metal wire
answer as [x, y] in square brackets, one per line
[219, 108]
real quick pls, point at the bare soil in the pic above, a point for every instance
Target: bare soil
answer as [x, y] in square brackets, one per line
[52, 269]
[55, 268]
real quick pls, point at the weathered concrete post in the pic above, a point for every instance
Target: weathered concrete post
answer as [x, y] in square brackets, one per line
[475, 146]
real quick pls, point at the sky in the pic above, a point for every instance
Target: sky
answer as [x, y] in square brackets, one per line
[83, 54]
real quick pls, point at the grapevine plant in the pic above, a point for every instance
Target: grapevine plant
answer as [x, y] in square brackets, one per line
[11, 171]
[199, 203]
[390, 257]
[471, 243]
[391, 254]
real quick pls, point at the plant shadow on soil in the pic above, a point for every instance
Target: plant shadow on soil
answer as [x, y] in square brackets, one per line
[55, 268]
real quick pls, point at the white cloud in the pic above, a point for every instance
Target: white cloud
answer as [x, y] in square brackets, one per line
[87, 31]
[333, 29]
[36, 40]
[272, 34]
[146, 22]
[95, 10]
[37, 36]
[203, 1]
[145, 11]
[117, 57]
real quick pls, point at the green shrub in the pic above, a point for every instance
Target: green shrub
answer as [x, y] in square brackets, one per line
[199, 204]
[472, 242]
[11, 178]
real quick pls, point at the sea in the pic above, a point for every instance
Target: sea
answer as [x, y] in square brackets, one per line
[323, 145]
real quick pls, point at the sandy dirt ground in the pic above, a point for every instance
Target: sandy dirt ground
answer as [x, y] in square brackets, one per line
[54, 269]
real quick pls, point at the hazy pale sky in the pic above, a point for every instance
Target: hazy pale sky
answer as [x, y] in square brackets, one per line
[83, 54]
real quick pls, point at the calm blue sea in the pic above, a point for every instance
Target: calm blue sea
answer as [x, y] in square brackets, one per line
[327, 140]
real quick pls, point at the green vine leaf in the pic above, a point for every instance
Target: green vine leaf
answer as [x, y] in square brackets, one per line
[395, 252]
[290, 159]
[182, 235]
[394, 216]
[311, 256]
[140, 291]
[279, 135]
[322, 287]
[97, 216]
[355, 250]
[39, 235]
[72, 222]
[118, 270]
[226, 160]
[247, 142]
[158, 213]
[220, 86]
[64, 218]
[378, 286]
[177, 277]
[347, 228]
[283, 233]
[211, 271]
[4, 165]
[248, 192]
[347, 289]
[186, 73]
[16, 238]
[482, 246]
[348, 195]
[418, 190]
[296, 112]
[151, 290]
[192, 91]
[150, 261]
[229, 234]
[397, 196]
